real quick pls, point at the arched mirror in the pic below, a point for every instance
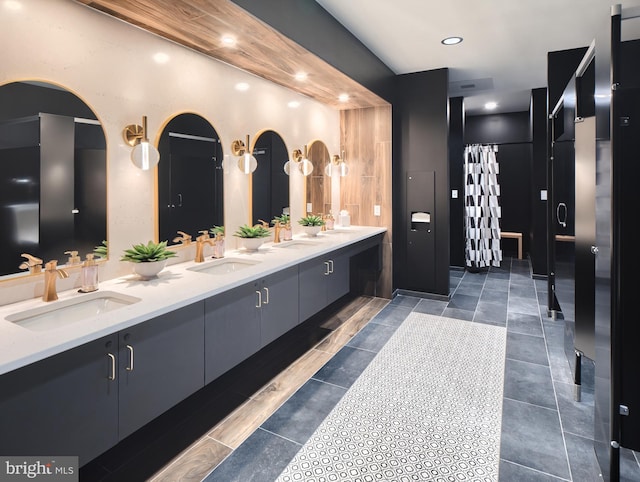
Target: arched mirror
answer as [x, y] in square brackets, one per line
[318, 186]
[269, 182]
[190, 180]
[53, 192]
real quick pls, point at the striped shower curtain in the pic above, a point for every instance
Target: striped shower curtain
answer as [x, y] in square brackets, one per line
[482, 207]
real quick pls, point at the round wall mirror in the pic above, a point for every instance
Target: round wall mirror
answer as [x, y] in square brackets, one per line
[269, 182]
[190, 180]
[318, 187]
[53, 192]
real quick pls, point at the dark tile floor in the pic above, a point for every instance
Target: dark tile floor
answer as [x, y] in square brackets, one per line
[546, 435]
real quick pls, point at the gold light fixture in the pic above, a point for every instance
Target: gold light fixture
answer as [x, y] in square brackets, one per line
[337, 166]
[304, 164]
[246, 162]
[143, 155]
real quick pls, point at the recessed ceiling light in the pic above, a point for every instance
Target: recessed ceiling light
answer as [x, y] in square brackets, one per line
[294, 104]
[451, 40]
[242, 86]
[491, 105]
[300, 76]
[343, 97]
[228, 40]
[161, 58]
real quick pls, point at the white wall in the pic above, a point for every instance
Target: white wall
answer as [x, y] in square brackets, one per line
[109, 64]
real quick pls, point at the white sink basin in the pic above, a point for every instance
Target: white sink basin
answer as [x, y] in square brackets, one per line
[224, 266]
[65, 312]
[295, 244]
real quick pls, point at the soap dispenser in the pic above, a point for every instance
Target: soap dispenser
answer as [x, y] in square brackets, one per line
[73, 257]
[89, 275]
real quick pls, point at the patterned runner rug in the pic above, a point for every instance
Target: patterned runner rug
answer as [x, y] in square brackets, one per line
[428, 407]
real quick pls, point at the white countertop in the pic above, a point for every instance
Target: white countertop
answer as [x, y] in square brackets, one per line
[176, 286]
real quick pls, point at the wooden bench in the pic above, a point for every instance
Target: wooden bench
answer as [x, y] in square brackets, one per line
[518, 236]
[566, 238]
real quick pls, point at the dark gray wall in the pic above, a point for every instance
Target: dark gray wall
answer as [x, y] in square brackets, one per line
[538, 233]
[456, 180]
[420, 143]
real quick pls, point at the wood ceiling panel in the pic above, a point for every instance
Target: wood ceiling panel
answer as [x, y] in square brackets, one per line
[260, 50]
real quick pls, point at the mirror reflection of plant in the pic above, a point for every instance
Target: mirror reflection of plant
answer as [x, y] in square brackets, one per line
[311, 220]
[216, 230]
[282, 219]
[257, 231]
[102, 250]
[141, 253]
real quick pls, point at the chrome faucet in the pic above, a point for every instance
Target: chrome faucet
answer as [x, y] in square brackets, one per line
[51, 272]
[33, 264]
[200, 242]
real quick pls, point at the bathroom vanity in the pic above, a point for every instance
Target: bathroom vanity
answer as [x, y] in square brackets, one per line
[79, 384]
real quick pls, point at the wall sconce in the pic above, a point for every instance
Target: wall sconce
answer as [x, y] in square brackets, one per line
[246, 162]
[304, 164]
[143, 155]
[337, 166]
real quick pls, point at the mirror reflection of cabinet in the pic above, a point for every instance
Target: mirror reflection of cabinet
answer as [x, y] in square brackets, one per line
[269, 182]
[52, 174]
[318, 185]
[190, 180]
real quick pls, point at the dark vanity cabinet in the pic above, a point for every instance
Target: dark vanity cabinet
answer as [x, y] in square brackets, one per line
[240, 321]
[63, 405]
[83, 401]
[322, 281]
[160, 363]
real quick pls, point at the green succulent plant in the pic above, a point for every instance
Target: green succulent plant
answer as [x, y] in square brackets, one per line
[283, 219]
[311, 220]
[147, 253]
[214, 231]
[101, 250]
[257, 231]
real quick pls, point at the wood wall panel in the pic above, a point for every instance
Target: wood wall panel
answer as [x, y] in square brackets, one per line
[365, 138]
[260, 49]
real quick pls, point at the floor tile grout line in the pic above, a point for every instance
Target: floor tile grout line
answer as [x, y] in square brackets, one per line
[280, 436]
[531, 404]
[524, 361]
[536, 470]
[555, 393]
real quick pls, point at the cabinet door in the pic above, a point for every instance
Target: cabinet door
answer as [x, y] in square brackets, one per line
[338, 282]
[63, 405]
[279, 311]
[161, 363]
[313, 287]
[232, 328]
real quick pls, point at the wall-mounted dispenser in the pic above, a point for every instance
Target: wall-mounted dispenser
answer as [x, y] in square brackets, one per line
[421, 221]
[421, 246]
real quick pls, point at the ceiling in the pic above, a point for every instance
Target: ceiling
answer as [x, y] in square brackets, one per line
[503, 55]
[504, 51]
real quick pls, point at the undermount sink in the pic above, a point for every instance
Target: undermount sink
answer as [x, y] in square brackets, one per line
[295, 244]
[224, 266]
[65, 312]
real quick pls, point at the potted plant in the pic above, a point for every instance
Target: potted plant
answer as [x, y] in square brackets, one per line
[148, 259]
[217, 233]
[252, 237]
[311, 224]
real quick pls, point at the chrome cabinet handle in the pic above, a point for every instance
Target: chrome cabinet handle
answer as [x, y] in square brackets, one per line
[259, 304]
[331, 266]
[179, 200]
[130, 367]
[562, 222]
[266, 292]
[327, 272]
[594, 250]
[112, 376]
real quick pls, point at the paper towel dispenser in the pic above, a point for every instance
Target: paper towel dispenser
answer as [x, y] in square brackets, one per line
[421, 221]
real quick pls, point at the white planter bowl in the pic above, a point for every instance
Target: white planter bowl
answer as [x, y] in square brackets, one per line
[312, 230]
[251, 244]
[149, 270]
